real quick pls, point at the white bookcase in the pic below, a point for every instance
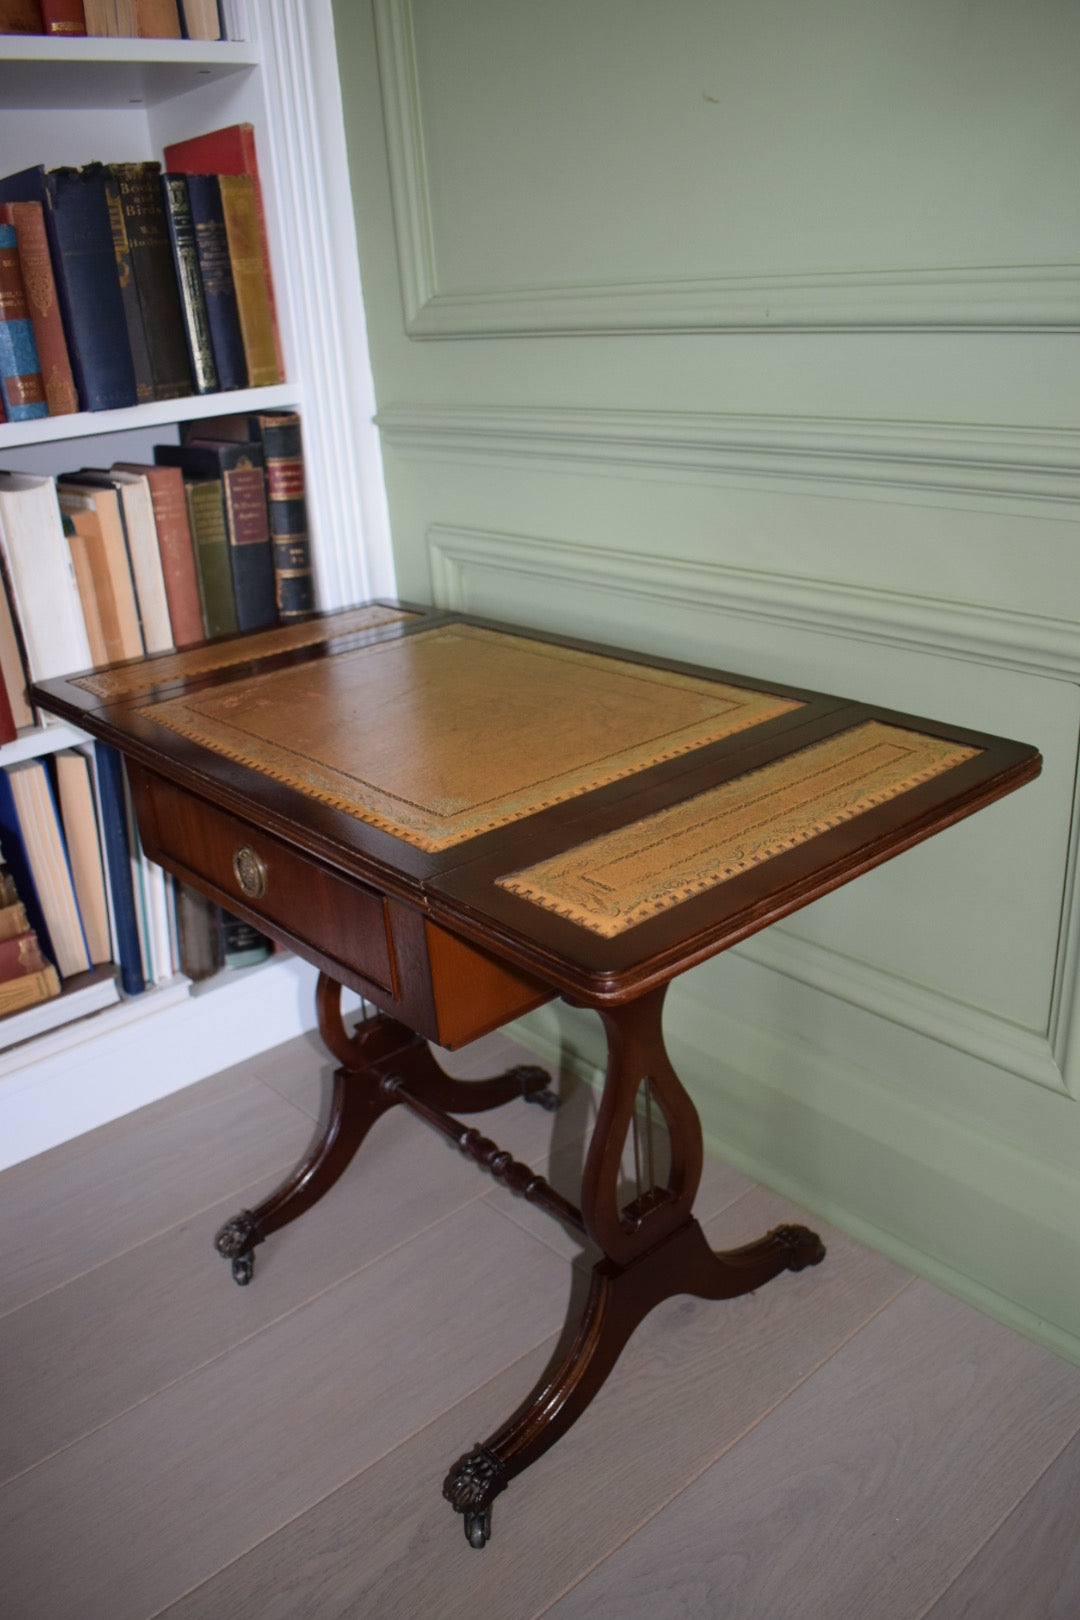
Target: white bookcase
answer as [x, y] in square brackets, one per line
[67, 101]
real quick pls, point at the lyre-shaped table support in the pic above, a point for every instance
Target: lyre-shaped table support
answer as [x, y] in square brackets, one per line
[652, 1248]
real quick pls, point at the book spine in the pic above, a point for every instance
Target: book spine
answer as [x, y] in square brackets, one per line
[250, 557]
[17, 861]
[157, 19]
[146, 230]
[286, 502]
[64, 17]
[249, 278]
[20, 372]
[174, 191]
[133, 316]
[206, 513]
[84, 262]
[114, 837]
[219, 290]
[177, 557]
[43, 304]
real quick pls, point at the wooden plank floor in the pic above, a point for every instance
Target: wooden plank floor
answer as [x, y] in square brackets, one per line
[848, 1442]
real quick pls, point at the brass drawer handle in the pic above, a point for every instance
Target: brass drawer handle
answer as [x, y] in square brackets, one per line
[250, 869]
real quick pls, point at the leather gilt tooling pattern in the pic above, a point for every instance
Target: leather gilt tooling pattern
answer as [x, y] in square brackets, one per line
[450, 732]
[620, 879]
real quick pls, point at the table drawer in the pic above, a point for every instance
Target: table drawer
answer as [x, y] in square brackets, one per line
[323, 914]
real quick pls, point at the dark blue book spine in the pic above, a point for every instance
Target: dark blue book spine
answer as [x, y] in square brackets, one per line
[219, 291]
[88, 287]
[13, 853]
[114, 837]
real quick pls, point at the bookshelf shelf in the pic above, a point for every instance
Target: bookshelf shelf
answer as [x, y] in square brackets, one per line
[77, 74]
[35, 742]
[162, 413]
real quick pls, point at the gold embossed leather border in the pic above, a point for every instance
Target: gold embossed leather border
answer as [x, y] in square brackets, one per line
[624, 877]
[455, 730]
[128, 680]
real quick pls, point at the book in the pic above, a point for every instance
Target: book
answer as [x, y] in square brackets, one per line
[199, 935]
[110, 18]
[78, 816]
[286, 503]
[34, 981]
[153, 313]
[41, 577]
[210, 549]
[20, 17]
[201, 19]
[31, 834]
[44, 306]
[215, 273]
[13, 661]
[239, 467]
[157, 19]
[138, 340]
[13, 918]
[95, 513]
[83, 564]
[231, 150]
[8, 729]
[21, 954]
[249, 278]
[21, 381]
[185, 254]
[114, 838]
[80, 237]
[63, 17]
[144, 556]
[175, 548]
[242, 945]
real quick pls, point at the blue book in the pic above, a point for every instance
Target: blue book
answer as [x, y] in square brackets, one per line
[114, 840]
[219, 290]
[21, 381]
[15, 857]
[87, 285]
[32, 841]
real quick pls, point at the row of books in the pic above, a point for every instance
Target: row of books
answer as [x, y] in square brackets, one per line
[147, 19]
[121, 284]
[89, 902]
[102, 564]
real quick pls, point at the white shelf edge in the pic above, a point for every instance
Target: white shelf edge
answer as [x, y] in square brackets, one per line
[34, 742]
[81, 50]
[162, 413]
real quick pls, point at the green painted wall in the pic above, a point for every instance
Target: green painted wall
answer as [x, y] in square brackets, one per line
[748, 332]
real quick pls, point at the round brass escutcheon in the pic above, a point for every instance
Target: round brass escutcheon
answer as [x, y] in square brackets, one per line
[250, 869]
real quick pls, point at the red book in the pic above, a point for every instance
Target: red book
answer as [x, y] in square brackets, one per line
[63, 17]
[8, 730]
[176, 548]
[230, 151]
[20, 955]
[44, 307]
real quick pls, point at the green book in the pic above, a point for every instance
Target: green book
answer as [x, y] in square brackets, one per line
[210, 537]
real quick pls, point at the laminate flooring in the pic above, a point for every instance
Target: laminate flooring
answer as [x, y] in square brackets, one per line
[850, 1441]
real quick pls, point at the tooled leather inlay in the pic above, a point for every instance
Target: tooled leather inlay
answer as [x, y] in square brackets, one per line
[624, 877]
[127, 680]
[453, 731]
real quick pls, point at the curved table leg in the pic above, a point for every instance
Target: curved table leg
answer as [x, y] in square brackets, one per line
[377, 1048]
[654, 1250]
